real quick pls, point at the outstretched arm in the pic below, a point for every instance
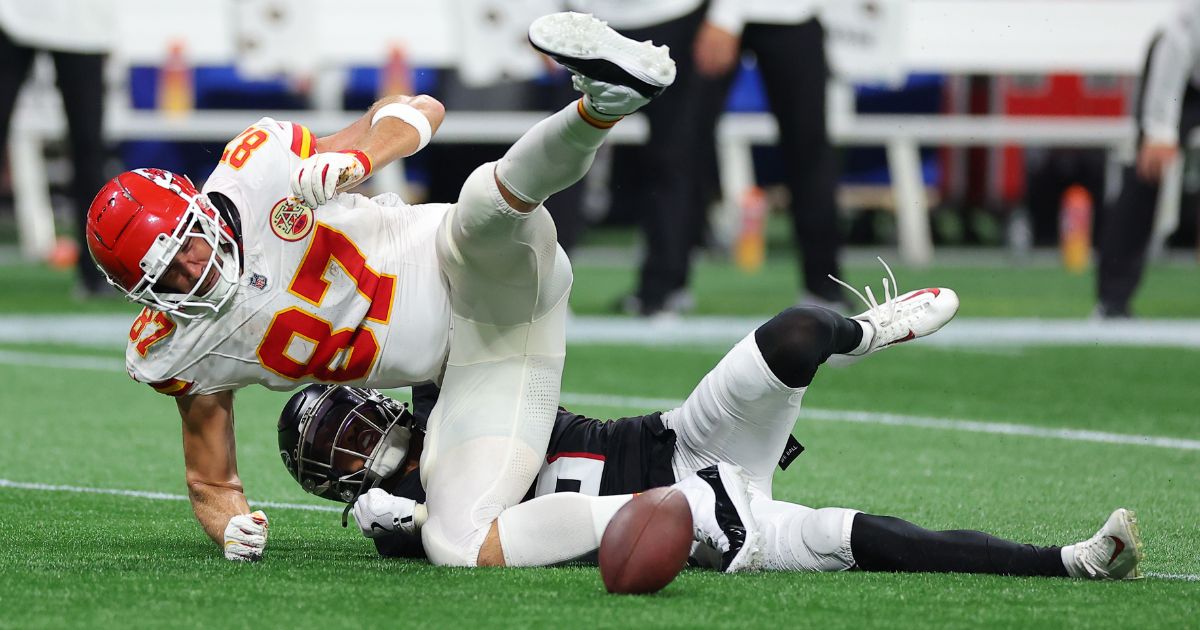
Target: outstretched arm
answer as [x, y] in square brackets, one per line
[214, 488]
[394, 127]
[389, 138]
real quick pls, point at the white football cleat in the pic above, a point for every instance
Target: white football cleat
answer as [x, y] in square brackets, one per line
[617, 74]
[1112, 554]
[903, 317]
[720, 500]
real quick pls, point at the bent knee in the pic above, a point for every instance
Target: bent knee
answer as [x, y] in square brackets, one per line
[448, 545]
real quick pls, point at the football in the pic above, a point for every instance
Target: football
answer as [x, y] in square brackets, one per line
[647, 543]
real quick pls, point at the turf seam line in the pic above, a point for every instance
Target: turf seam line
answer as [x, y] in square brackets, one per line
[153, 496]
[82, 362]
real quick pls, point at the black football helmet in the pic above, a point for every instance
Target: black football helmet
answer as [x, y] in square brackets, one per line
[337, 440]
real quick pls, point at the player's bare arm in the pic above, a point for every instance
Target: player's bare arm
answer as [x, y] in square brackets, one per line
[214, 488]
[394, 127]
[390, 138]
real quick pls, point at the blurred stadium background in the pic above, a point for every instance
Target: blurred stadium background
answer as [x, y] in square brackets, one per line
[968, 131]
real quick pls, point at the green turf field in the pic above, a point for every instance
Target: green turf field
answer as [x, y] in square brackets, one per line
[72, 420]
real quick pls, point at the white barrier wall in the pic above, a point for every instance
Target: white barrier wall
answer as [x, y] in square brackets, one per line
[870, 40]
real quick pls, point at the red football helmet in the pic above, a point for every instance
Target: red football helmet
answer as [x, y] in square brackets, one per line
[136, 225]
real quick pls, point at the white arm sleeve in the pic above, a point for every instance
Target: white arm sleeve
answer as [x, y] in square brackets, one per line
[1174, 59]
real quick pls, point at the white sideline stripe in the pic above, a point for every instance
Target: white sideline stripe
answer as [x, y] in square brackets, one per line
[154, 496]
[163, 496]
[810, 413]
[925, 422]
[1186, 577]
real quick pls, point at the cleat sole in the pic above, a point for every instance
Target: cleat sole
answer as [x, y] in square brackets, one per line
[587, 46]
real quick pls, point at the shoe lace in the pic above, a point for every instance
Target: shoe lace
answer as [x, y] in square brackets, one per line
[880, 314]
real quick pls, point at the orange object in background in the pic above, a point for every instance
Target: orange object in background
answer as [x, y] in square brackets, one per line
[65, 253]
[176, 93]
[397, 75]
[1075, 233]
[750, 249]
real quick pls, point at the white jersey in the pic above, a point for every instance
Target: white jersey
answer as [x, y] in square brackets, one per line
[349, 293]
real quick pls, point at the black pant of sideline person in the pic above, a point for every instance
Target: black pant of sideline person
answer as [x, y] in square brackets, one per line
[671, 215]
[80, 79]
[791, 60]
[1128, 222]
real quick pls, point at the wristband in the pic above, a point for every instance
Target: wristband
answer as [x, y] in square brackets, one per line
[410, 115]
[363, 159]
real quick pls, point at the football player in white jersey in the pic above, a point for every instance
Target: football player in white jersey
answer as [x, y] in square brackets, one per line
[742, 413]
[269, 276]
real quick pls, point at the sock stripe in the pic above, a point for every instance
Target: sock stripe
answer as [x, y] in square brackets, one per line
[592, 120]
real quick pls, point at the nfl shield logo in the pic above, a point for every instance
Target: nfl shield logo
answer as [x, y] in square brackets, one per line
[258, 281]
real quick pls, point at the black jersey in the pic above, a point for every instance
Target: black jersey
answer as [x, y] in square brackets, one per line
[604, 458]
[584, 455]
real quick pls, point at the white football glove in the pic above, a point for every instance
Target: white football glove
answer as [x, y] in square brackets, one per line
[323, 175]
[246, 536]
[380, 514]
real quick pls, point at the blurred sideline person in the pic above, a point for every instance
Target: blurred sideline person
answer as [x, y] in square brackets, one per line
[77, 36]
[742, 412]
[1166, 111]
[270, 277]
[662, 173]
[788, 43]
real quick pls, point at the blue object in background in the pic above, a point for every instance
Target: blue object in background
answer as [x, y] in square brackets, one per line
[746, 93]
[220, 87]
[920, 94]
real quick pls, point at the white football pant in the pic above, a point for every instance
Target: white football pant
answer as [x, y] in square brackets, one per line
[509, 284]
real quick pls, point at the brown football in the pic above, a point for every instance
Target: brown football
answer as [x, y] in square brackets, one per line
[647, 542]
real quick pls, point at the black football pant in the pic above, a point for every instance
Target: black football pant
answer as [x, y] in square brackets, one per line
[1127, 223]
[791, 61]
[81, 81]
[885, 543]
[670, 214]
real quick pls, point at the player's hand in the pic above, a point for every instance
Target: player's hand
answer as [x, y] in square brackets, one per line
[246, 536]
[323, 175]
[1154, 158]
[380, 514]
[716, 50]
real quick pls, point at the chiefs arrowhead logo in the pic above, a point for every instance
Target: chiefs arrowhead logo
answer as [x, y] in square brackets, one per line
[290, 220]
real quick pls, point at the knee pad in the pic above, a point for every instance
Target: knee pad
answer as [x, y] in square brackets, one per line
[825, 531]
[453, 549]
[796, 342]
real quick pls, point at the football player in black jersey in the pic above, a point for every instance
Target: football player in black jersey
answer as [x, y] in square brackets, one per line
[742, 412]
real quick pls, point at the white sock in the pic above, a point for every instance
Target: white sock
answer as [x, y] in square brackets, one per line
[797, 538]
[698, 493]
[597, 115]
[551, 156]
[555, 528]
[867, 337]
[1067, 554]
